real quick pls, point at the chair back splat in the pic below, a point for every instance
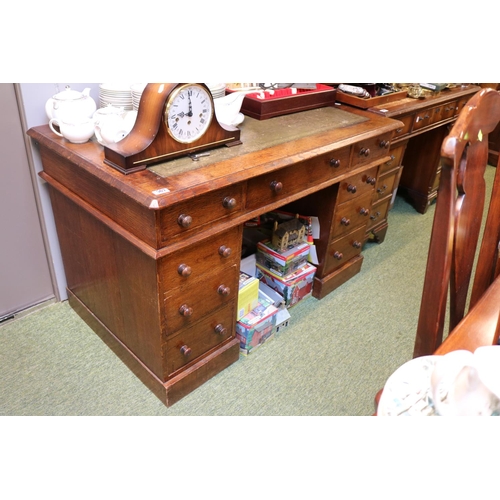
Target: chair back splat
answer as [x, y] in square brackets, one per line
[457, 223]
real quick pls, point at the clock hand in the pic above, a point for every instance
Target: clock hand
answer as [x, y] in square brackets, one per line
[190, 113]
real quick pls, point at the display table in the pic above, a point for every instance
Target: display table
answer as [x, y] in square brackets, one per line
[152, 258]
[416, 147]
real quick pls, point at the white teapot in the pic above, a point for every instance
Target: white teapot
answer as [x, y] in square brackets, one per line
[70, 105]
[113, 124]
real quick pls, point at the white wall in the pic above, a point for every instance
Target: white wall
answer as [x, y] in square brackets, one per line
[34, 96]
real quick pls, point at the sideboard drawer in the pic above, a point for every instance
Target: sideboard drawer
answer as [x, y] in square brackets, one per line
[189, 303]
[351, 214]
[287, 181]
[194, 213]
[189, 264]
[343, 249]
[190, 343]
[357, 185]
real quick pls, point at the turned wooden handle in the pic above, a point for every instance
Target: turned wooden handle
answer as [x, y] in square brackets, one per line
[223, 290]
[185, 310]
[276, 186]
[185, 350]
[335, 163]
[184, 220]
[220, 329]
[229, 202]
[184, 270]
[224, 251]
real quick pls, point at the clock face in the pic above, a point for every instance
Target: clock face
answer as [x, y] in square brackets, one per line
[188, 112]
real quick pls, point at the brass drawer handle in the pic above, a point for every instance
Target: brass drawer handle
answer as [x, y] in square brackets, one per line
[223, 290]
[334, 163]
[220, 329]
[184, 270]
[276, 186]
[184, 220]
[229, 202]
[185, 310]
[224, 251]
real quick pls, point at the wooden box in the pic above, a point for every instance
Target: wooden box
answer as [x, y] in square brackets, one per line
[284, 101]
[359, 102]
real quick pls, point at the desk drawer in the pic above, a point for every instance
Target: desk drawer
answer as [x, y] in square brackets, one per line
[184, 217]
[396, 157]
[277, 185]
[357, 185]
[385, 185]
[367, 151]
[190, 263]
[191, 302]
[379, 212]
[343, 249]
[351, 214]
[191, 343]
[422, 119]
[405, 129]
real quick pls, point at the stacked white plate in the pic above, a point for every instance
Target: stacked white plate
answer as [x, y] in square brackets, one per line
[118, 95]
[217, 89]
[137, 89]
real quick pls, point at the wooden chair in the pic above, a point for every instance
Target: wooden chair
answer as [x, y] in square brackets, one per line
[456, 227]
[455, 237]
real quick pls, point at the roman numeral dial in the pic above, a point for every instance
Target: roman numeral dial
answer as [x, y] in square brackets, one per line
[188, 113]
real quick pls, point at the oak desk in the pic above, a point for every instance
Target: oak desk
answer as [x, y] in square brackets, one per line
[152, 258]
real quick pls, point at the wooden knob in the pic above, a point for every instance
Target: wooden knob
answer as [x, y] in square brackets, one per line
[384, 144]
[184, 270]
[224, 251]
[375, 216]
[334, 163]
[228, 202]
[382, 189]
[371, 180]
[185, 350]
[351, 188]
[223, 290]
[276, 186]
[356, 244]
[364, 152]
[338, 255]
[185, 310]
[220, 329]
[345, 221]
[364, 211]
[184, 220]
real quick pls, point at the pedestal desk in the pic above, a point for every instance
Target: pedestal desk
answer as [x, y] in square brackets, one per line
[152, 258]
[416, 147]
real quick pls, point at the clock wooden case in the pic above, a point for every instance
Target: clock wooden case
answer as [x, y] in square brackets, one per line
[173, 119]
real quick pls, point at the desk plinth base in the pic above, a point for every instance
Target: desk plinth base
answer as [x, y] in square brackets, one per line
[323, 286]
[173, 390]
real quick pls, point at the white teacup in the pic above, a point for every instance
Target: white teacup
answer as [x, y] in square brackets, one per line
[467, 384]
[77, 133]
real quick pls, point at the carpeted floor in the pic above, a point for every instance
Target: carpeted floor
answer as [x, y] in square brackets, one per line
[332, 359]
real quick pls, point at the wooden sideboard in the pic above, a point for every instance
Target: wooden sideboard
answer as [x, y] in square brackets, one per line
[416, 147]
[152, 258]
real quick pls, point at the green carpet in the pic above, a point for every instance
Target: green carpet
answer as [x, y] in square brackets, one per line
[332, 359]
